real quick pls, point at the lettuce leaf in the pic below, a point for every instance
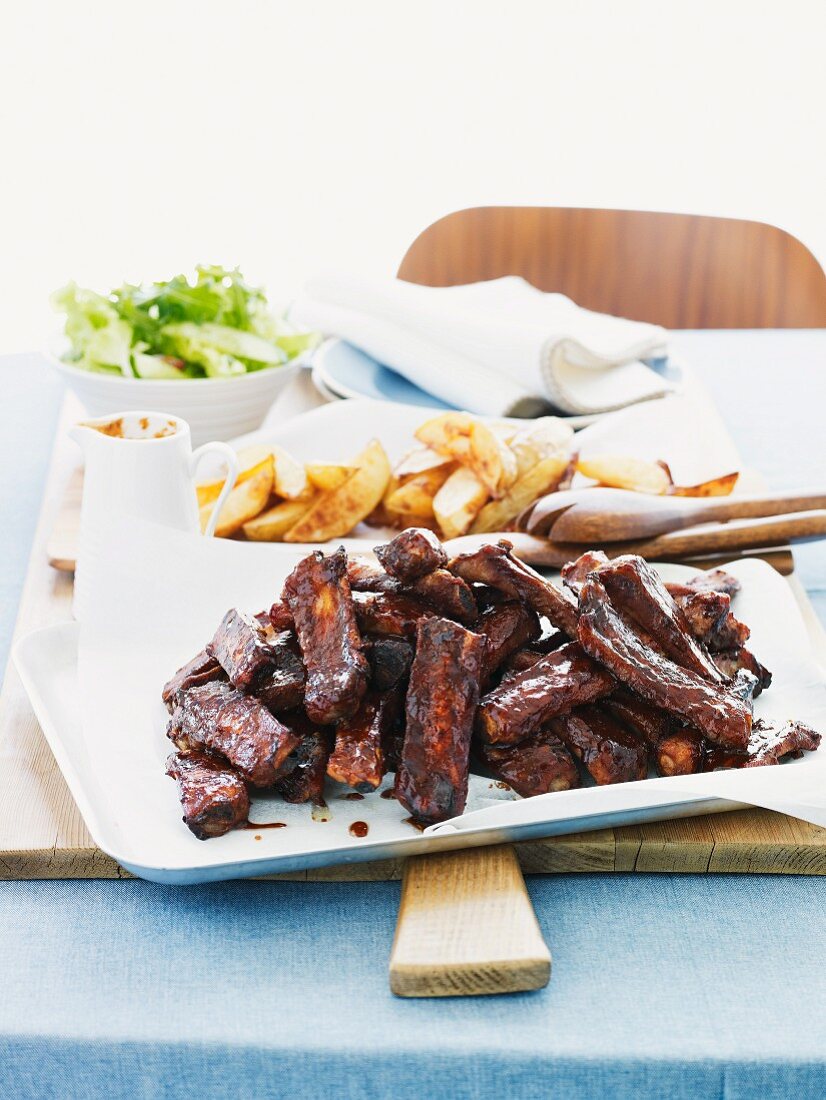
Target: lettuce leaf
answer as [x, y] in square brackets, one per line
[216, 322]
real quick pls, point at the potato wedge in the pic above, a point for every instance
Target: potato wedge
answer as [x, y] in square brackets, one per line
[249, 458]
[272, 524]
[544, 438]
[625, 472]
[325, 477]
[336, 513]
[291, 481]
[543, 478]
[245, 501]
[415, 496]
[458, 502]
[381, 516]
[419, 461]
[491, 459]
[716, 487]
[449, 434]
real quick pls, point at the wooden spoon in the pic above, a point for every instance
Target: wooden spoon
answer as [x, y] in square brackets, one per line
[596, 516]
[735, 536]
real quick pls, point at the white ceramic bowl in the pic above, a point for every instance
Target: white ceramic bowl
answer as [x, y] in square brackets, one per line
[214, 408]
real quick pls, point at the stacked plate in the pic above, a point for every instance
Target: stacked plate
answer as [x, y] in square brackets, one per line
[341, 371]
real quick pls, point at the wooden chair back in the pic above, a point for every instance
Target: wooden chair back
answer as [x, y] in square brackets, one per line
[677, 270]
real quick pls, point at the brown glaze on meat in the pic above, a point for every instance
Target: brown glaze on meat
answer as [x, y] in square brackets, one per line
[240, 647]
[306, 768]
[318, 595]
[729, 633]
[366, 577]
[412, 554]
[731, 661]
[610, 751]
[635, 588]
[648, 722]
[496, 566]
[507, 628]
[439, 591]
[537, 766]
[770, 742]
[447, 595]
[558, 682]
[715, 580]
[719, 714]
[441, 701]
[281, 618]
[575, 573]
[522, 659]
[358, 757]
[213, 796]
[217, 716]
[388, 613]
[390, 660]
[681, 752]
[201, 669]
[703, 611]
[281, 686]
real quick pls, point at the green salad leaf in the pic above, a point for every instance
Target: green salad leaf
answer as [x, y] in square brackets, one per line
[214, 325]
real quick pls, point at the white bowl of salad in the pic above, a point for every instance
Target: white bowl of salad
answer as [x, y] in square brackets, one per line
[207, 349]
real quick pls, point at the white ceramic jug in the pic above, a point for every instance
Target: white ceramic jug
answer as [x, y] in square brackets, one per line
[140, 464]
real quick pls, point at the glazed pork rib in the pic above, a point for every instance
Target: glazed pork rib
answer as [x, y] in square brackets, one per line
[768, 744]
[448, 595]
[201, 669]
[718, 713]
[648, 722]
[302, 779]
[218, 717]
[715, 580]
[388, 613]
[497, 567]
[635, 588]
[358, 759]
[318, 595]
[439, 589]
[507, 628]
[432, 779]
[412, 554]
[704, 600]
[213, 796]
[551, 686]
[575, 573]
[241, 648]
[281, 685]
[732, 661]
[610, 752]
[681, 752]
[390, 660]
[537, 766]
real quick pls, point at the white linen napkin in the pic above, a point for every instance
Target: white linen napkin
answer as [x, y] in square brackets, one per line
[497, 348]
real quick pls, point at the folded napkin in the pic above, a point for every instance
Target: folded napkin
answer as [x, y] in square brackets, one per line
[497, 348]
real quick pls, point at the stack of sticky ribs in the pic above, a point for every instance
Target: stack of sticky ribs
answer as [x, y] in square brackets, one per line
[428, 667]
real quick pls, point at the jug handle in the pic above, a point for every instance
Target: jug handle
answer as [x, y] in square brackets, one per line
[231, 459]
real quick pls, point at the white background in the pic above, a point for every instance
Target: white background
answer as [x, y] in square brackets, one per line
[139, 138]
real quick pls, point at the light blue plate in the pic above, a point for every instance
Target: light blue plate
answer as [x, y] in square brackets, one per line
[349, 372]
[341, 370]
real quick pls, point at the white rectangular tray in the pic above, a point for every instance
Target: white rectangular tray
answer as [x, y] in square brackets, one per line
[101, 714]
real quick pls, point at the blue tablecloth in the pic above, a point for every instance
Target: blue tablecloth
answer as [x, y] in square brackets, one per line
[663, 985]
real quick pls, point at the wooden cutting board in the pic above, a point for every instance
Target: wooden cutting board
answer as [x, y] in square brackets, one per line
[42, 834]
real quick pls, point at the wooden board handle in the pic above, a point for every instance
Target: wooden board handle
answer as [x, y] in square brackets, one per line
[466, 927]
